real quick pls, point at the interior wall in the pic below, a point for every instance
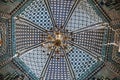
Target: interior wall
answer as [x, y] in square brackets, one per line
[11, 72]
[105, 72]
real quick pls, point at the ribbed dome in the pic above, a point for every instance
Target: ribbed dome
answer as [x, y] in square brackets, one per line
[76, 17]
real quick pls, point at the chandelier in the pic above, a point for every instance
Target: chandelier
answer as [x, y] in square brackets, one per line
[57, 40]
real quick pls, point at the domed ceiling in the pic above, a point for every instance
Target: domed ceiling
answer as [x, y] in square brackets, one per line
[80, 52]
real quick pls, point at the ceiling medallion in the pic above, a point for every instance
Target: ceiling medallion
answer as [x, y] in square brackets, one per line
[57, 40]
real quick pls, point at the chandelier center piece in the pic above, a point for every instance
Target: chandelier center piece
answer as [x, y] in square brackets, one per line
[57, 42]
[58, 39]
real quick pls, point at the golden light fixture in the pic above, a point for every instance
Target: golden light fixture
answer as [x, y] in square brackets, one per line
[57, 40]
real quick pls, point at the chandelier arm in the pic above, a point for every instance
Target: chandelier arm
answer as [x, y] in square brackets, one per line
[68, 64]
[92, 53]
[51, 14]
[70, 13]
[45, 42]
[47, 64]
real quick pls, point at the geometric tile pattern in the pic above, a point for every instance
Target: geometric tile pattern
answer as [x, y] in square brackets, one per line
[35, 59]
[83, 16]
[91, 40]
[57, 69]
[60, 10]
[80, 61]
[3, 39]
[37, 13]
[27, 35]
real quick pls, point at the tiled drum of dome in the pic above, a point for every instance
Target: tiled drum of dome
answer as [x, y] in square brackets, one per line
[37, 13]
[60, 10]
[57, 69]
[81, 62]
[35, 59]
[84, 15]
